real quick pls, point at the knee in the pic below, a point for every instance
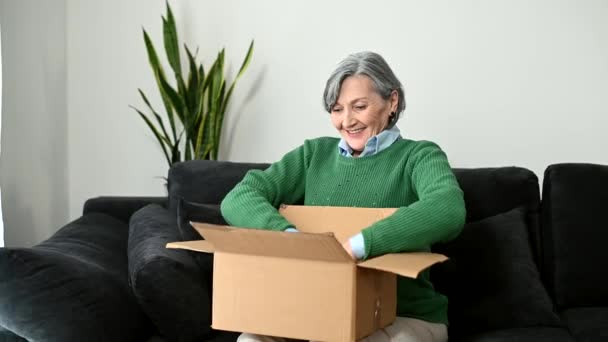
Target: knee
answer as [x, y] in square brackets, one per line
[245, 337]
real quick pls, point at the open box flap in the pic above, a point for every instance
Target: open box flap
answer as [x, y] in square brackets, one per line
[262, 242]
[196, 245]
[405, 264]
[343, 222]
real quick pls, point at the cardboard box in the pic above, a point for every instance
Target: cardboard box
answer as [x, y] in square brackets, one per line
[304, 285]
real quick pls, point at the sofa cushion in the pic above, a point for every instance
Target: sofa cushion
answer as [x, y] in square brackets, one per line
[188, 211]
[587, 324]
[169, 285]
[73, 286]
[574, 221]
[205, 181]
[8, 336]
[121, 207]
[491, 279]
[491, 191]
[535, 334]
[196, 212]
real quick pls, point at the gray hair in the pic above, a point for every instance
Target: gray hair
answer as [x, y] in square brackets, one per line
[371, 65]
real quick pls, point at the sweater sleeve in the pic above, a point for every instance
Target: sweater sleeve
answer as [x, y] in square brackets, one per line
[437, 215]
[253, 202]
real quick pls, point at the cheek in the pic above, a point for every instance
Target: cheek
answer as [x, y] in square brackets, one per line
[335, 121]
[376, 119]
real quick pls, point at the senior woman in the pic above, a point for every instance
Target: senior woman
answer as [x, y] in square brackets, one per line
[371, 165]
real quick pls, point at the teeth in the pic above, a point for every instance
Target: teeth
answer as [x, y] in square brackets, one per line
[355, 131]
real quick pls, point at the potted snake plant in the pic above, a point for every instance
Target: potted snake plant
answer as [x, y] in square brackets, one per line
[195, 106]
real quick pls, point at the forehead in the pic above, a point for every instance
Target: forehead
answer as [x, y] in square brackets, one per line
[356, 87]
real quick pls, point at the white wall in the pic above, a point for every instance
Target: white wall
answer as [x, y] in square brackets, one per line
[1, 219]
[110, 149]
[493, 82]
[34, 149]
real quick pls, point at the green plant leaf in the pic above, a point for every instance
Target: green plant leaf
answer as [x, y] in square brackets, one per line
[207, 152]
[205, 117]
[172, 50]
[244, 66]
[200, 98]
[181, 87]
[158, 75]
[158, 118]
[176, 100]
[188, 152]
[155, 132]
[220, 72]
[201, 75]
[192, 98]
[171, 42]
[216, 91]
[199, 137]
[226, 99]
[211, 71]
[219, 116]
[175, 153]
[208, 138]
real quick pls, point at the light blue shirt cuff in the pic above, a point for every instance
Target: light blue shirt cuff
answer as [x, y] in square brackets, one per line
[291, 230]
[357, 244]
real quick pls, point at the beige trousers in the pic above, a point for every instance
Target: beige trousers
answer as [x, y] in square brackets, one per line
[402, 330]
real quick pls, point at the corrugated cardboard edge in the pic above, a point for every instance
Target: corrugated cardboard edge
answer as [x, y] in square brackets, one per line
[405, 264]
[263, 242]
[344, 222]
[197, 246]
[353, 303]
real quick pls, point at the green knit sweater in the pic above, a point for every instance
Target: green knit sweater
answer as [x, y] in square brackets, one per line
[414, 176]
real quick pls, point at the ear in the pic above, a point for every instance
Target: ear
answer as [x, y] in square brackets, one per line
[394, 101]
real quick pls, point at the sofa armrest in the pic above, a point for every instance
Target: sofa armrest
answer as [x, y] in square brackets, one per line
[172, 286]
[72, 286]
[121, 207]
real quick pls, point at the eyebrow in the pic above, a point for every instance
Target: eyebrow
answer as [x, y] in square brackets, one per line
[354, 100]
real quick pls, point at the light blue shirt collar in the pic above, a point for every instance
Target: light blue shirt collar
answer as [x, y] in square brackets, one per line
[374, 144]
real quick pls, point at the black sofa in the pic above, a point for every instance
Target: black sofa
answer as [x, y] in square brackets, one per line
[522, 269]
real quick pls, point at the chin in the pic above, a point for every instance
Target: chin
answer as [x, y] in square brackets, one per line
[355, 147]
[355, 144]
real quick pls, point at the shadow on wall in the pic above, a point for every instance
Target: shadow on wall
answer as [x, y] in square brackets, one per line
[235, 113]
[22, 234]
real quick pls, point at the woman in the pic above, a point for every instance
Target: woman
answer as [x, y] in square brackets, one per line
[370, 166]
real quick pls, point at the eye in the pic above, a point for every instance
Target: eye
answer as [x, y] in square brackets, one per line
[336, 110]
[360, 107]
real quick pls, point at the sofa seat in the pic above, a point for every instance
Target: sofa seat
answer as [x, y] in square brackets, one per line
[587, 324]
[533, 334]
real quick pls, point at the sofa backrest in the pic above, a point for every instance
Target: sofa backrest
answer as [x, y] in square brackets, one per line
[488, 191]
[574, 215]
[491, 191]
[491, 277]
[205, 181]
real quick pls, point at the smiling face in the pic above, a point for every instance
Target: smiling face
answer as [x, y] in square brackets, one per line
[360, 112]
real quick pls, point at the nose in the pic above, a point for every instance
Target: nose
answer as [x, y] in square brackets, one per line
[349, 118]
